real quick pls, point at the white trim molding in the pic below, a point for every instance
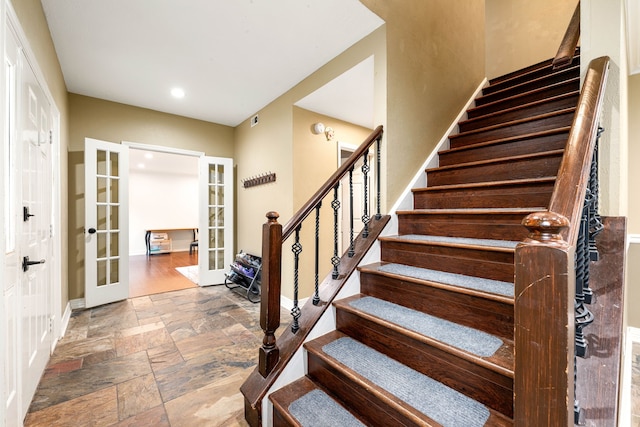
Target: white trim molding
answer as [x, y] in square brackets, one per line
[632, 336]
[633, 35]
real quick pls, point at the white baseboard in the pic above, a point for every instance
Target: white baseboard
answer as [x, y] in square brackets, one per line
[77, 304]
[288, 302]
[66, 316]
[632, 335]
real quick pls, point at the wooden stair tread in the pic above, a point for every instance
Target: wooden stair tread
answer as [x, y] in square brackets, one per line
[452, 242]
[507, 139]
[520, 107]
[542, 74]
[521, 95]
[287, 395]
[497, 160]
[471, 211]
[410, 413]
[511, 182]
[514, 122]
[373, 269]
[500, 362]
[547, 63]
[565, 71]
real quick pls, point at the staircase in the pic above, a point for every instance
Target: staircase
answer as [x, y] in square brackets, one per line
[430, 338]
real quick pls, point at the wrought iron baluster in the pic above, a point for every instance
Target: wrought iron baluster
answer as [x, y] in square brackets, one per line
[365, 215]
[595, 222]
[378, 214]
[583, 316]
[316, 294]
[296, 248]
[352, 248]
[335, 204]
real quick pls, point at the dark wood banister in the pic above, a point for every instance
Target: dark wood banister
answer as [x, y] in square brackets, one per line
[569, 42]
[573, 175]
[273, 358]
[308, 207]
[545, 276]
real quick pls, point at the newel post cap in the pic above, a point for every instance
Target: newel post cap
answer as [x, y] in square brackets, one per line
[272, 216]
[545, 226]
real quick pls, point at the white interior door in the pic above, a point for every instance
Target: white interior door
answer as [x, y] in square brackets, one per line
[36, 292]
[28, 189]
[106, 253]
[215, 241]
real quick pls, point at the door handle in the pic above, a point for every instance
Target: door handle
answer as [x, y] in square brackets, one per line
[25, 213]
[92, 230]
[26, 263]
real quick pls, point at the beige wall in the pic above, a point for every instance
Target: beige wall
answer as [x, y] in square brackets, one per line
[634, 154]
[315, 159]
[633, 224]
[269, 146]
[34, 24]
[435, 61]
[523, 32]
[113, 122]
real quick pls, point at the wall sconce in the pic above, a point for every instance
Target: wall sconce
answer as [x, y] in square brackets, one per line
[328, 132]
[318, 128]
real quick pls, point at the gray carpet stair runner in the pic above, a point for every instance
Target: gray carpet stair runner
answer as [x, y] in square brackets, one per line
[461, 241]
[317, 409]
[468, 282]
[435, 400]
[468, 339]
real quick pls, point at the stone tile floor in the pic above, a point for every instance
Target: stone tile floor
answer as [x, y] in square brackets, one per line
[173, 359]
[635, 385]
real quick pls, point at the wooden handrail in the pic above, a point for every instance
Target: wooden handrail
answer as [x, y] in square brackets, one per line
[569, 42]
[570, 187]
[273, 357]
[545, 278]
[333, 180]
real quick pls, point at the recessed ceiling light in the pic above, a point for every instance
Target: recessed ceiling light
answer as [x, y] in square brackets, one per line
[141, 165]
[148, 156]
[177, 92]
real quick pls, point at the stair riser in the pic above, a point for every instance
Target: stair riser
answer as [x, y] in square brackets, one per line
[544, 74]
[481, 384]
[547, 123]
[359, 399]
[526, 98]
[490, 226]
[523, 74]
[516, 147]
[531, 168]
[493, 317]
[523, 196]
[529, 86]
[521, 113]
[471, 262]
[279, 420]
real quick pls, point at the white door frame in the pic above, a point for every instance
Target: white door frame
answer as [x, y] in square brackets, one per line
[346, 147]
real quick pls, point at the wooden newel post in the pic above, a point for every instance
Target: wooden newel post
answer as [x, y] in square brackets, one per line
[544, 358]
[270, 301]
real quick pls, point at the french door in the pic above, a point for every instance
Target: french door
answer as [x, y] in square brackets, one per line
[106, 222]
[215, 242]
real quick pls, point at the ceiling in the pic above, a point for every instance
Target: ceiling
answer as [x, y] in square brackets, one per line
[231, 57]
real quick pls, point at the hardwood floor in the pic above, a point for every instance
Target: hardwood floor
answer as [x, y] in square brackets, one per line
[155, 274]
